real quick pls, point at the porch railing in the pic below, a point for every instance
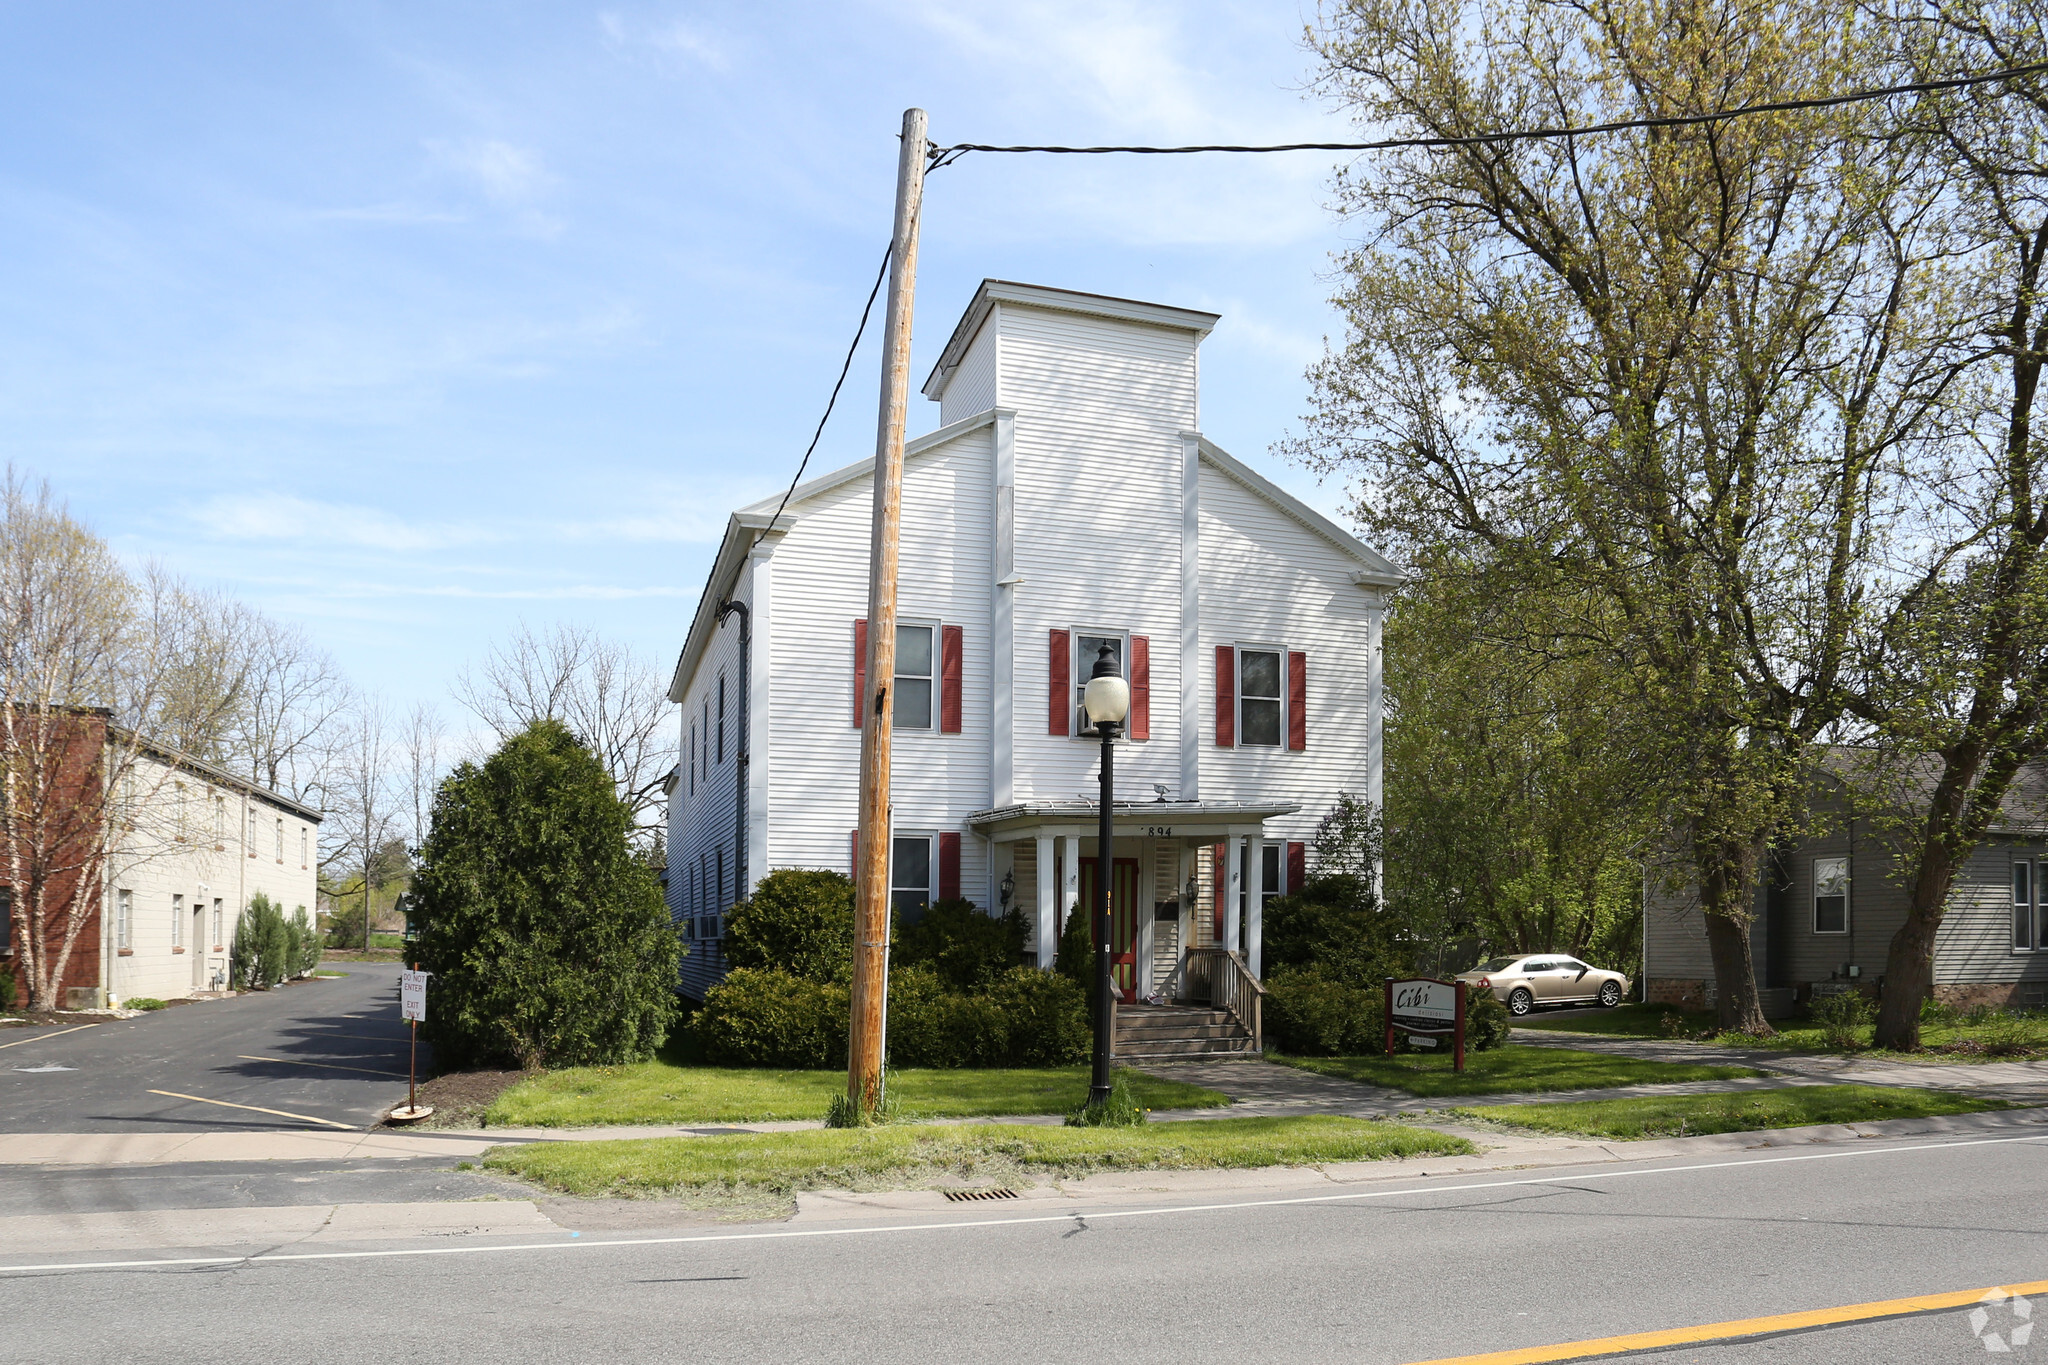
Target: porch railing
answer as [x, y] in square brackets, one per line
[1219, 978]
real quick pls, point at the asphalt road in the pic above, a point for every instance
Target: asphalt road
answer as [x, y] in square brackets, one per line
[320, 1053]
[1418, 1271]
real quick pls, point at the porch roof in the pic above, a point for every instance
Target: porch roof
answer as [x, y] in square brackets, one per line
[1145, 819]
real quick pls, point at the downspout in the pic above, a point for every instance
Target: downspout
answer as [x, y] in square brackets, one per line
[740, 785]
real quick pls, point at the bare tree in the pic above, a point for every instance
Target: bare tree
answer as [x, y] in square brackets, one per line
[362, 782]
[611, 698]
[423, 742]
[293, 717]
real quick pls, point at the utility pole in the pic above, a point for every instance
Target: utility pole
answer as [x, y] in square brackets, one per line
[871, 872]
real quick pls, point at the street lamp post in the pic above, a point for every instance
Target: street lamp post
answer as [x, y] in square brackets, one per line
[1107, 700]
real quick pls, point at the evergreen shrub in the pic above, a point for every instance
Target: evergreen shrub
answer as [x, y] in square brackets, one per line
[1076, 951]
[548, 939]
[310, 947]
[261, 955]
[798, 921]
[758, 1016]
[1311, 1013]
[966, 948]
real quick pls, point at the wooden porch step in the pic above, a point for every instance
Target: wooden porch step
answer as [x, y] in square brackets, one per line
[1164, 1049]
[1227, 1028]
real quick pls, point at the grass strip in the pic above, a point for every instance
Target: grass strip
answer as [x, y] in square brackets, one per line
[1513, 1069]
[1743, 1111]
[664, 1092]
[734, 1169]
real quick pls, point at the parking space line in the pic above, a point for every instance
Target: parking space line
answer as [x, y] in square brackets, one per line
[297, 1061]
[1742, 1327]
[58, 1034]
[257, 1109]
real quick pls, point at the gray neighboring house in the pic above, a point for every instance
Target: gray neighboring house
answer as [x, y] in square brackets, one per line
[1830, 902]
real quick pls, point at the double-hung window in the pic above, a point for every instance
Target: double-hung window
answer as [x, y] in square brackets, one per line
[2025, 896]
[1087, 649]
[1258, 697]
[124, 921]
[910, 877]
[1831, 895]
[916, 665]
[1269, 873]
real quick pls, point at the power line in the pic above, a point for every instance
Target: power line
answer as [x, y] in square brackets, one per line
[945, 156]
[830, 403]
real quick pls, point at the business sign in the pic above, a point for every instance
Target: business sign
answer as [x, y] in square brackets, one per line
[412, 995]
[1424, 1006]
[1427, 1009]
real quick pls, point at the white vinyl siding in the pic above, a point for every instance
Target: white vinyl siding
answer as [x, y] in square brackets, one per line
[973, 388]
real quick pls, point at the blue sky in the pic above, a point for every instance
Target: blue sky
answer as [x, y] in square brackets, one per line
[407, 322]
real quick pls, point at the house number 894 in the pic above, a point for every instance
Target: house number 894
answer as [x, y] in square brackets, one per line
[1159, 831]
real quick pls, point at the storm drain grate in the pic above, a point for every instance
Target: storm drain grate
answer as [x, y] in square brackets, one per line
[968, 1196]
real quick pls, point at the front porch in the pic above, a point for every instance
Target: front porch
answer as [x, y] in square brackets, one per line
[1187, 895]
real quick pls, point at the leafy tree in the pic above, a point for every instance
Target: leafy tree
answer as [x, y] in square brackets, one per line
[548, 940]
[1656, 373]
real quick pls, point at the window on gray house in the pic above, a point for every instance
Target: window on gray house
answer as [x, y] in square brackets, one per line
[721, 721]
[1831, 895]
[912, 709]
[910, 878]
[2023, 908]
[707, 737]
[1087, 649]
[1258, 705]
[693, 760]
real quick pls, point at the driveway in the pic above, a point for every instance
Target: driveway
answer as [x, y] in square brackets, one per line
[317, 1055]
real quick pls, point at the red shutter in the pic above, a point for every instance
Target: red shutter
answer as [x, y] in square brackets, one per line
[860, 671]
[1297, 867]
[1226, 697]
[1218, 897]
[952, 644]
[1297, 701]
[949, 867]
[1141, 687]
[1061, 668]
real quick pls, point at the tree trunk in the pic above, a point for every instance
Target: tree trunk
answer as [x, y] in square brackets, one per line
[1727, 920]
[1909, 964]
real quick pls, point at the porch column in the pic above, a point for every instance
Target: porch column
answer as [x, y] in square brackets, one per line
[1255, 911]
[1048, 903]
[1070, 874]
[1233, 888]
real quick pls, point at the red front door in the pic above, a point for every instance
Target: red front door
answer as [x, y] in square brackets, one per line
[1123, 921]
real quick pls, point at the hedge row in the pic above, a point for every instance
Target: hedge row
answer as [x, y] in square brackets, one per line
[760, 1016]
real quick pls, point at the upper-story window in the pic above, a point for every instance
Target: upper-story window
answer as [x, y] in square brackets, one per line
[915, 657]
[220, 817]
[693, 758]
[304, 842]
[1258, 697]
[706, 764]
[1831, 895]
[250, 842]
[721, 718]
[280, 838]
[1087, 649]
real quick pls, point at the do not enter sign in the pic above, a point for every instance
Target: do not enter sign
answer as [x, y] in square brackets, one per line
[412, 995]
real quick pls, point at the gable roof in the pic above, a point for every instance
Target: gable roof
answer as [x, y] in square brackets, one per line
[993, 292]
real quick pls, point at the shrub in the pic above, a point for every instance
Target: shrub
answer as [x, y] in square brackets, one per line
[1486, 1022]
[1332, 926]
[1076, 951]
[309, 943]
[1047, 1017]
[345, 927]
[797, 921]
[260, 956]
[142, 1002]
[6, 989]
[1310, 1013]
[294, 946]
[759, 1016]
[547, 937]
[1841, 1019]
[968, 949]
[1117, 1110]
[1939, 1013]
[2005, 1035]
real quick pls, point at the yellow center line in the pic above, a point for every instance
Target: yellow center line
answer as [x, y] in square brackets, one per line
[254, 1109]
[1740, 1327]
[58, 1034]
[297, 1061]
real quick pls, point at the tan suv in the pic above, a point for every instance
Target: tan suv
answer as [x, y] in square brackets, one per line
[1524, 983]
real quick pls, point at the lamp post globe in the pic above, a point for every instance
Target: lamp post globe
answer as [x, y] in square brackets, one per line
[1106, 700]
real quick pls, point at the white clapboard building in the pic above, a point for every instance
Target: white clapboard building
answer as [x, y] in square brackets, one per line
[1067, 500]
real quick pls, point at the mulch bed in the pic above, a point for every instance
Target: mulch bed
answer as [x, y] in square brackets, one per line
[460, 1098]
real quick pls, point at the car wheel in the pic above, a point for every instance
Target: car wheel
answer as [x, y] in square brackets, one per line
[1610, 994]
[1520, 1002]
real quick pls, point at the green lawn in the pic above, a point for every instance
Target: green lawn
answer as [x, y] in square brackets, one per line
[2025, 1031]
[1737, 1112]
[1511, 1069]
[743, 1168]
[665, 1092]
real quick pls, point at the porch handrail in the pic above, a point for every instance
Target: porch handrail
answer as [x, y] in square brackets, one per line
[1220, 977]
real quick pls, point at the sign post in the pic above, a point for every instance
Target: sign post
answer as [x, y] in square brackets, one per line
[1428, 1009]
[412, 1007]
